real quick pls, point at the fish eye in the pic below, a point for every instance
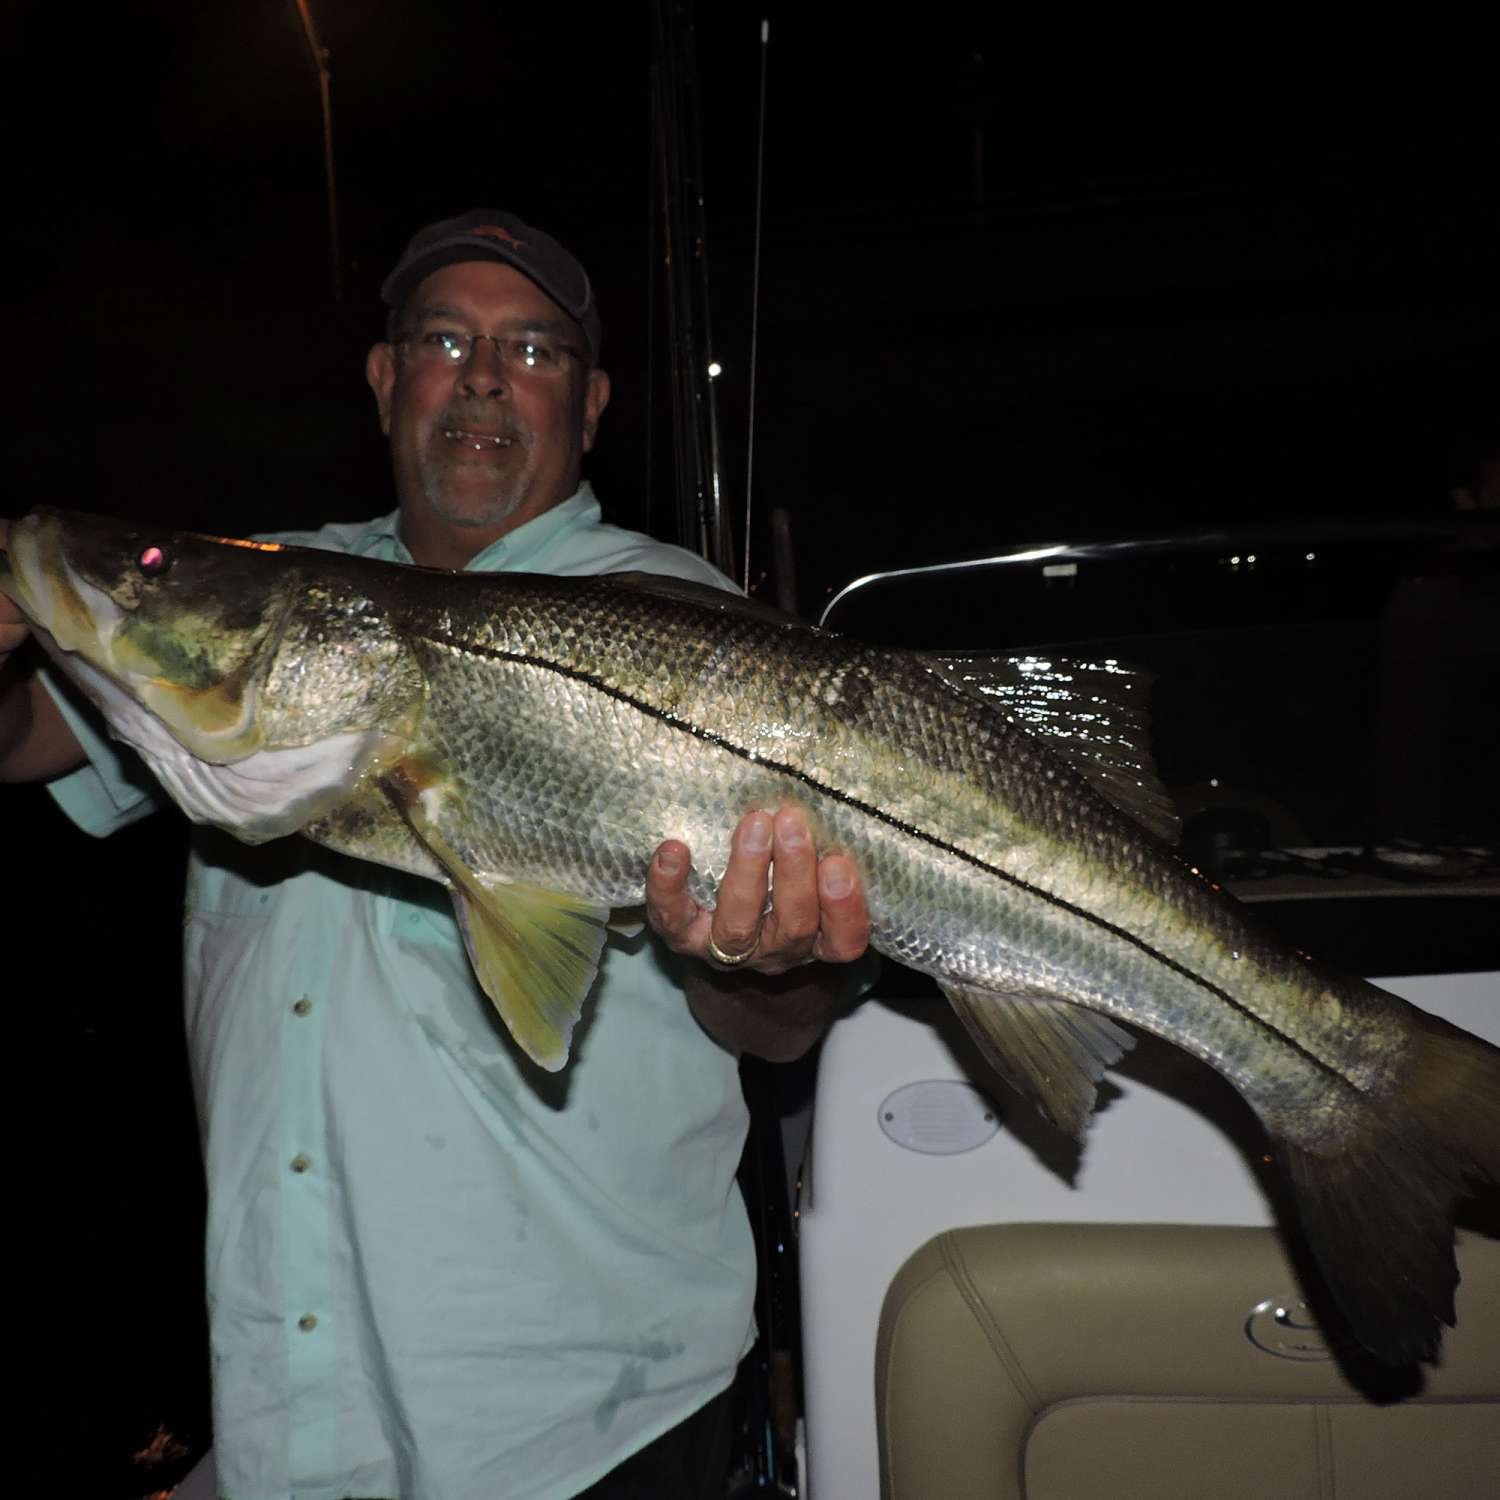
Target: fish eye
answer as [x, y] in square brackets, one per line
[153, 561]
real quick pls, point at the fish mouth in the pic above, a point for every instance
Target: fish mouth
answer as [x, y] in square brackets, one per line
[59, 604]
[86, 634]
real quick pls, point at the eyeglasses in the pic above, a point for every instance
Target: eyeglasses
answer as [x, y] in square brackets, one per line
[523, 353]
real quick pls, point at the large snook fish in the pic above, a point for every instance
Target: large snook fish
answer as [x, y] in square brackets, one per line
[530, 740]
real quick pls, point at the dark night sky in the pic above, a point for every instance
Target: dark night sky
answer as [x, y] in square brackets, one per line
[1196, 282]
[1204, 277]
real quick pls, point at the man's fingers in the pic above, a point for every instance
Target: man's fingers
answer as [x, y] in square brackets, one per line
[817, 907]
[844, 933]
[793, 923]
[13, 627]
[669, 908]
[742, 891]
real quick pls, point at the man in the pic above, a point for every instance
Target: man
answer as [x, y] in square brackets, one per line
[436, 1273]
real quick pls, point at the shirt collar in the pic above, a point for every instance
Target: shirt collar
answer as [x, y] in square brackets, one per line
[517, 549]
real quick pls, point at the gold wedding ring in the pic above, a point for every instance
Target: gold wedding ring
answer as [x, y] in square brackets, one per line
[728, 960]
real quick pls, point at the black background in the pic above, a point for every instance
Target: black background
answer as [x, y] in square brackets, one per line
[1020, 281]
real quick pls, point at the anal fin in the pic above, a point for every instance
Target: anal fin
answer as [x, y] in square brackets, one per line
[1053, 1052]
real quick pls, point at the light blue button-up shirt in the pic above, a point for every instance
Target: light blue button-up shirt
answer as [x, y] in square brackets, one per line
[435, 1272]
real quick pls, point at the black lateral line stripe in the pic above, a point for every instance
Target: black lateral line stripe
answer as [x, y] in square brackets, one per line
[588, 679]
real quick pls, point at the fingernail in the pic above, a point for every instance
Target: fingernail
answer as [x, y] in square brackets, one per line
[755, 837]
[835, 883]
[669, 862]
[791, 827]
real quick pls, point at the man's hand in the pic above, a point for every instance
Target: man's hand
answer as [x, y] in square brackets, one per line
[13, 628]
[35, 741]
[817, 906]
[761, 1000]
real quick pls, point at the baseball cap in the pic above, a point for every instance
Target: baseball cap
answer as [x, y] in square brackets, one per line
[487, 234]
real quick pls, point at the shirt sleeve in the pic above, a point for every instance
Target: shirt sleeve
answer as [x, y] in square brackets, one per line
[114, 789]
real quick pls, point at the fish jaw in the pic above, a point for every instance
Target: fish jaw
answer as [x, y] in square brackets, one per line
[203, 691]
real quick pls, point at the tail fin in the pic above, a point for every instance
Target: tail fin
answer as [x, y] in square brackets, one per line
[1454, 1089]
[1378, 1213]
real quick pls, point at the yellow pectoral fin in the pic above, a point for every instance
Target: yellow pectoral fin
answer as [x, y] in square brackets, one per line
[535, 951]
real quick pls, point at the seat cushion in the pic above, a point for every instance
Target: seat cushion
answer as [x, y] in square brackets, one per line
[1072, 1361]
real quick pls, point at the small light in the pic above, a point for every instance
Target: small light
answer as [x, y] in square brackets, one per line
[1310, 556]
[1251, 559]
[1234, 561]
[715, 369]
[153, 562]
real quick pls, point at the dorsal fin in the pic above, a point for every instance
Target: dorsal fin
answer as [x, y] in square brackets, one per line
[1092, 714]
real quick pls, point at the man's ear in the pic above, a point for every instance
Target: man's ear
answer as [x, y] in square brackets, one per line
[595, 399]
[380, 371]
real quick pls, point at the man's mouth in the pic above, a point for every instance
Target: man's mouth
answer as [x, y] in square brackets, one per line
[480, 442]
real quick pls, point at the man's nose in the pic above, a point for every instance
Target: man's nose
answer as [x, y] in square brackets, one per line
[483, 372]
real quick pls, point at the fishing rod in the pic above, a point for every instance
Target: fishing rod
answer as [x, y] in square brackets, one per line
[760, 178]
[320, 61]
[702, 520]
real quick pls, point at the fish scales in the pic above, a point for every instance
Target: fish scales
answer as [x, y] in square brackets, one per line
[755, 715]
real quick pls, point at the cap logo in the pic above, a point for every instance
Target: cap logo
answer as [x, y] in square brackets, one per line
[495, 232]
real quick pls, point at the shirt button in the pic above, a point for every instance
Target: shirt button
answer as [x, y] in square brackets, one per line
[307, 1322]
[300, 1163]
[302, 1007]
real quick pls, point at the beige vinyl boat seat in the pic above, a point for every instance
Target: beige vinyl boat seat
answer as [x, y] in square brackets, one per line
[1117, 1362]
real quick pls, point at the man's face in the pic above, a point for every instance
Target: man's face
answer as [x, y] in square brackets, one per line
[480, 445]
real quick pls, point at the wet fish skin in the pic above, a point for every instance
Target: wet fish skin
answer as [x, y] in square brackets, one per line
[531, 740]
